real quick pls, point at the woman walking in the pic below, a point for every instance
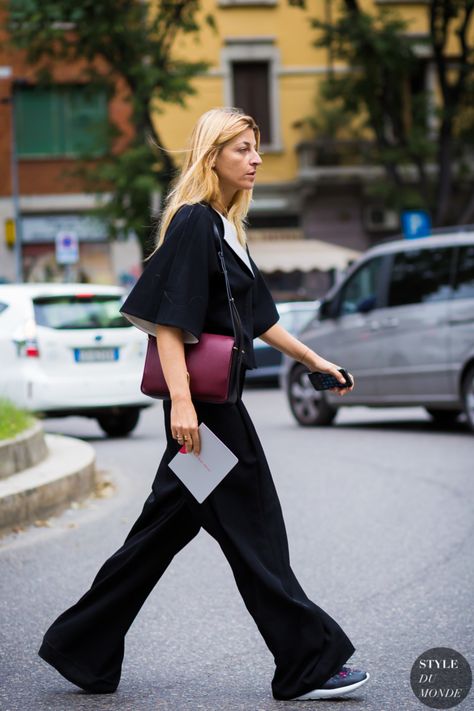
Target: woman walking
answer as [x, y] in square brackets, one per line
[181, 294]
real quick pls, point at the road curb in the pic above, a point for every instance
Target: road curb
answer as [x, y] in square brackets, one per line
[67, 473]
[25, 450]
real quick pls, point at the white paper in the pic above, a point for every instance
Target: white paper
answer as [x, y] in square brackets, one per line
[202, 472]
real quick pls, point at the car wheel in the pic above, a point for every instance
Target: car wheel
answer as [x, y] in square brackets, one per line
[443, 417]
[309, 407]
[468, 396]
[119, 423]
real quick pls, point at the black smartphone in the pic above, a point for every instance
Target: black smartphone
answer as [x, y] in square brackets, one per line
[324, 381]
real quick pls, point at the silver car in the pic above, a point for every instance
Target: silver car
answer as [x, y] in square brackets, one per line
[402, 321]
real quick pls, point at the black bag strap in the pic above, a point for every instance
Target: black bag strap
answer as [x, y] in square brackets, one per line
[234, 314]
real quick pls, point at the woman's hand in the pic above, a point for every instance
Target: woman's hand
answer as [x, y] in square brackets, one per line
[278, 337]
[184, 424]
[315, 363]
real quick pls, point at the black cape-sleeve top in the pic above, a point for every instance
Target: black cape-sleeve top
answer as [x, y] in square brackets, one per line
[183, 284]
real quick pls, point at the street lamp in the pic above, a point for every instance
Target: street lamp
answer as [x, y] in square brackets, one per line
[5, 73]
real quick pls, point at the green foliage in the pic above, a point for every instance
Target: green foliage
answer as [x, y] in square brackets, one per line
[13, 420]
[134, 43]
[380, 95]
[134, 176]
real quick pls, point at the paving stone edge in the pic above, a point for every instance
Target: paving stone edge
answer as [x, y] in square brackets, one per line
[23, 451]
[67, 474]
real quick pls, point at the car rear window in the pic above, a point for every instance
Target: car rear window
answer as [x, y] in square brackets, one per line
[421, 276]
[79, 311]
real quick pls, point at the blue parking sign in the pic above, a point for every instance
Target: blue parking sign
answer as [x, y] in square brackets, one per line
[416, 223]
[67, 247]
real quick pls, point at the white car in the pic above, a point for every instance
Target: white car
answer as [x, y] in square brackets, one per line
[65, 349]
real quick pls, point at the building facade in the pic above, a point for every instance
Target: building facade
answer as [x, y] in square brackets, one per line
[49, 127]
[263, 59]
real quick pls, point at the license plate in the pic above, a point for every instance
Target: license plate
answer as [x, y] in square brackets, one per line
[95, 355]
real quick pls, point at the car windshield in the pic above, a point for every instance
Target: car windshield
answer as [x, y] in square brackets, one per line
[80, 311]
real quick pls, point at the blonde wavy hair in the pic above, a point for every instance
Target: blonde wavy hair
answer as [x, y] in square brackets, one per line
[197, 181]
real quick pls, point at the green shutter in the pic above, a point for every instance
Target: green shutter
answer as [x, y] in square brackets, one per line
[85, 113]
[59, 121]
[37, 123]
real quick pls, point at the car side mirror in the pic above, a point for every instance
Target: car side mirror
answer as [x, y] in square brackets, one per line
[324, 310]
[366, 305]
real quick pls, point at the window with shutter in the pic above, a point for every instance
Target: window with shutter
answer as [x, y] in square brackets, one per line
[60, 121]
[251, 92]
[39, 129]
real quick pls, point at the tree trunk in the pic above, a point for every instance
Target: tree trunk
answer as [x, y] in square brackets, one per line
[445, 176]
[467, 215]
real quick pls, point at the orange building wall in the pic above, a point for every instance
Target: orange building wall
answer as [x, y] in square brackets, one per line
[46, 175]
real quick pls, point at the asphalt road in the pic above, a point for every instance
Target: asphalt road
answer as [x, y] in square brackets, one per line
[380, 521]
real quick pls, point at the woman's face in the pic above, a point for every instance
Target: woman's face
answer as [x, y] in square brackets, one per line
[236, 165]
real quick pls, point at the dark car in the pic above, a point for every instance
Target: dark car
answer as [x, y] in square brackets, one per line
[294, 315]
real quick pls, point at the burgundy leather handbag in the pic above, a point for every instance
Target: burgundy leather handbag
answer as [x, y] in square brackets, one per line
[214, 363]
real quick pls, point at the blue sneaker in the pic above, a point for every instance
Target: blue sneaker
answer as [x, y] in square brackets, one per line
[344, 682]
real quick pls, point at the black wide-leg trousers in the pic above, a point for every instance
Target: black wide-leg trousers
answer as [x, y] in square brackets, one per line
[243, 514]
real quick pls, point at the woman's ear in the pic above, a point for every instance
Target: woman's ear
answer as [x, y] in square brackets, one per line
[212, 157]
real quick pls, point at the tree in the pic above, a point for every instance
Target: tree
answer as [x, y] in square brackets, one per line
[127, 42]
[424, 144]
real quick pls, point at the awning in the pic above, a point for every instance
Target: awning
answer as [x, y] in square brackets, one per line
[289, 255]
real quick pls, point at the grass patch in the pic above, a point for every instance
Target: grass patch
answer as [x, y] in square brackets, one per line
[13, 420]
